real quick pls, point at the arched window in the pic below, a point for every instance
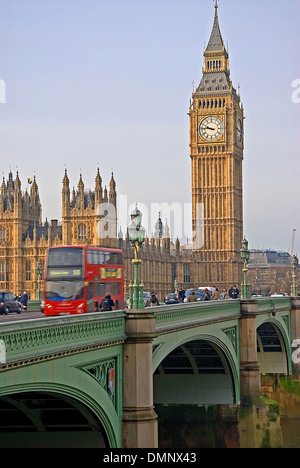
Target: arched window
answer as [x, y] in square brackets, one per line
[2, 234]
[28, 270]
[82, 231]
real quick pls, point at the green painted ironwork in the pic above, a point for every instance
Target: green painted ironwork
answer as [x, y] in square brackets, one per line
[49, 337]
[100, 372]
[77, 355]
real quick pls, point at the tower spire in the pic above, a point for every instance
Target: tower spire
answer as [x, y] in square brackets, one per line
[215, 42]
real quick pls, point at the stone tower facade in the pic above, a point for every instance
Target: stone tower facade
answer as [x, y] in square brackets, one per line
[89, 217]
[216, 150]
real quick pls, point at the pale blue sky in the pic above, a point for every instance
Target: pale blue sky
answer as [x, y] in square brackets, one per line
[109, 82]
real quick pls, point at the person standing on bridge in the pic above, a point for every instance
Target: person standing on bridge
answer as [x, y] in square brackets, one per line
[181, 295]
[224, 294]
[154, 299]
[233, 292]
[24, 300]
[216, 295]
[192, 297]
[107, 303]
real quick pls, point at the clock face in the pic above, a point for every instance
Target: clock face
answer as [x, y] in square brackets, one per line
[239, 131]
[211, 128]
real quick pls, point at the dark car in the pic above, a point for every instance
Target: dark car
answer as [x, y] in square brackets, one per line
[9, 303]
[172, 298]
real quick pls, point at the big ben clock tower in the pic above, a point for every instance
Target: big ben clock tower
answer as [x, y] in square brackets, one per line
[216, 150]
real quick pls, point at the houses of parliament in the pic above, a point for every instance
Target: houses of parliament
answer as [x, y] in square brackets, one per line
[216, 152]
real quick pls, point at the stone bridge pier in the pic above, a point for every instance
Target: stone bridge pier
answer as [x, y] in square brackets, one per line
[249, 370]
[295, 336]
[140, 427]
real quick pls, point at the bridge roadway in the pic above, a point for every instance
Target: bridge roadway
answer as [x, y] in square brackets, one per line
[97, 379]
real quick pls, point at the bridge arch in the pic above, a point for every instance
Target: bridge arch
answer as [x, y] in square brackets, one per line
[274, 352]
[53, 416]
[78, 381]
[209, 373]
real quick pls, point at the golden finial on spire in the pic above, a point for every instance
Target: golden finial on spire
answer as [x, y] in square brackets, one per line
[216, 3]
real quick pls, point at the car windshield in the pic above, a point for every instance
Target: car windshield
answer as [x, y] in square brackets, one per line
[172, 296]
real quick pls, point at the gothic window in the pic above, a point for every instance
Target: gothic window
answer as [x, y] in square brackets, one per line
[2, 234]
[82, 231]
[2, 271]
[173, 272]
[28, 270]
[186, 273]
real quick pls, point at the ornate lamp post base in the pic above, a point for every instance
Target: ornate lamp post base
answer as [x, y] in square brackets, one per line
[136, 234]
[245, 254]
[137, 298]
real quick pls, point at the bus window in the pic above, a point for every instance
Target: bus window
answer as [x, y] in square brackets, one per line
[115, 288]
[99, 289]
[65, 256]
[115, 258]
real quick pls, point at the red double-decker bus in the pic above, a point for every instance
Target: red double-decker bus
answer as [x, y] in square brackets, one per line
[77, 278]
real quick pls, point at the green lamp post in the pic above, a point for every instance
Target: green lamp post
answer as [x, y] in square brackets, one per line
[136, 233]
[39, 272]
[294, 290]
[245, 254]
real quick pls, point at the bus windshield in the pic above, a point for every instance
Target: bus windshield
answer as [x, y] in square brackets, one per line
[64, 290]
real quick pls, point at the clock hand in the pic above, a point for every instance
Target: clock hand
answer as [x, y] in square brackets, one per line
[209, 128]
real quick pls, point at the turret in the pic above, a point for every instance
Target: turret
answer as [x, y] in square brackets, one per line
[98, 191]
[112, 191]
[66, 195]
[81, 192]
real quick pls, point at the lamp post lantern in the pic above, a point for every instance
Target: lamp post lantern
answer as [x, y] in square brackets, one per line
[39, 272]
[294, 290]
[136, 233]
[245, 254]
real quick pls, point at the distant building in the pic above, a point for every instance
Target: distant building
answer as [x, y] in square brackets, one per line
[268, 258]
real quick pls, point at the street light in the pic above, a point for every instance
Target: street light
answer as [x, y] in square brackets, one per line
[39, 272]
[136, 233]
[294, 290]
[245, 254]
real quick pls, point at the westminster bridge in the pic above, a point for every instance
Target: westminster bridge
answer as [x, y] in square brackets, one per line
[98, 380]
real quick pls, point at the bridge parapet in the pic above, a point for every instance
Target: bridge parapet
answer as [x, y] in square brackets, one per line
[33, 340]
[177, 316]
